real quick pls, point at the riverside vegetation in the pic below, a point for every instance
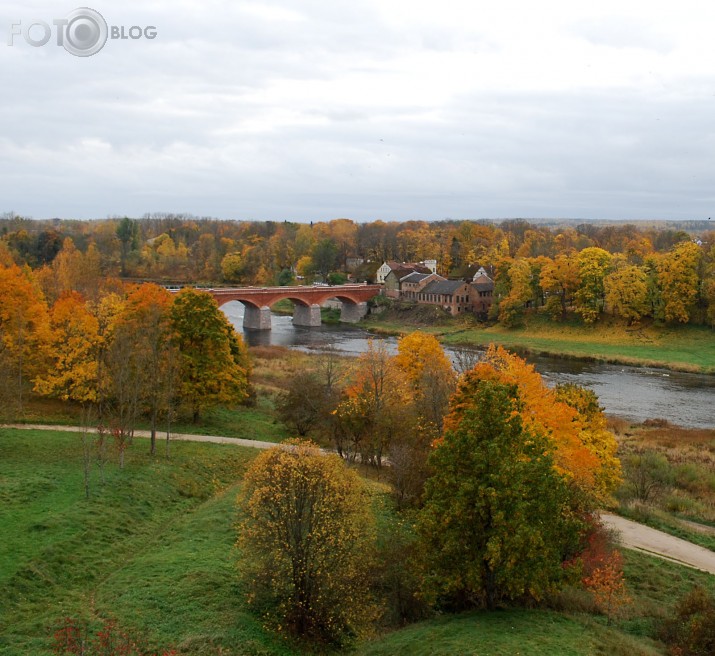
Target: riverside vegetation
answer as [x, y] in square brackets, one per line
[154, 545]
[91, 519]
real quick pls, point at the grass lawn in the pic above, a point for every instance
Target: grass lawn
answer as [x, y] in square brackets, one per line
[686, 348]
[510, 633]
[250, 423]
[153, 547]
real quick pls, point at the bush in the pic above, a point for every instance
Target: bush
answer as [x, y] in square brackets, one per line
[307, 539]
[692, 631]
[647, 474]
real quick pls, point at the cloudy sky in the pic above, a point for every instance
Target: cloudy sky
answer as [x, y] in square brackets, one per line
[367, 109]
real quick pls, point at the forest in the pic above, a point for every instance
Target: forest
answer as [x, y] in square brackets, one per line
[663, 272]
[410, 488]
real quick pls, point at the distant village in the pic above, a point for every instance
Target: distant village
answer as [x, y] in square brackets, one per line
[472, 292]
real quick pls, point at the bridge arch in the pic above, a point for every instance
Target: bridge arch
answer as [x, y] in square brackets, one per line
[306, 301]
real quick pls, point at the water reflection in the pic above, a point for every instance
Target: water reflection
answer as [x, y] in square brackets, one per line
[631, 392]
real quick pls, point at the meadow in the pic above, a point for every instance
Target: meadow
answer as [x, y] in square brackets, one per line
[153, 547]
[682, 348]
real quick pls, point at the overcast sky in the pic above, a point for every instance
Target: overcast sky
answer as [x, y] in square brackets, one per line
[384, 109]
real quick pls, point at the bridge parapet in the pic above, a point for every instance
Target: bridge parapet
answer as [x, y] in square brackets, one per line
[307, 302]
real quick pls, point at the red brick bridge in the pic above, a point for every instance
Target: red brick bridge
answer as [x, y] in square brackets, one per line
[307, 302]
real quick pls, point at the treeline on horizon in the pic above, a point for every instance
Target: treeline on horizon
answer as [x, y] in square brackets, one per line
[659, 270]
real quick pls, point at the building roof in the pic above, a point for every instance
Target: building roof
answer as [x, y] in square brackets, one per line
[483, 284]
[415, 276]
[443, 287]
[407, 269]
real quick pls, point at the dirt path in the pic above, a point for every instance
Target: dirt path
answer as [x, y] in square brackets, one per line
[643, 538]
[160, 436]
[633, 535]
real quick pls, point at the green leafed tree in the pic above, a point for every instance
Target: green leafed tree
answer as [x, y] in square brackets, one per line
[324, 256]
[214, 366]
[495, 522]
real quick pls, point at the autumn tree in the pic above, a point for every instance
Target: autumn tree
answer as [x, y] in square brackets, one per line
[74, 343]
[214, 366]
[24, 333]
[583, 448]
[431, 380]
[306, 537]
[143, 330]
[606, 583]
[593, 266]
[559, 278]
[678, 281]
[626, 291]
[495, 523]
[511, 307]
[593, 433]
[374, 408]
[232, 267]
[428, 371]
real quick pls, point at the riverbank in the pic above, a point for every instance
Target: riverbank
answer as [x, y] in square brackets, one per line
[682, 348]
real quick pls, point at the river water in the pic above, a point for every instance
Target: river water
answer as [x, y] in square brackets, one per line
[634, 393]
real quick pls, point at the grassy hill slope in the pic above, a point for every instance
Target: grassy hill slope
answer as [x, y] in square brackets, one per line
[154, 548]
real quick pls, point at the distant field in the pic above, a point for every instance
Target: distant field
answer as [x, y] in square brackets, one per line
[686, 348]
[154, 548]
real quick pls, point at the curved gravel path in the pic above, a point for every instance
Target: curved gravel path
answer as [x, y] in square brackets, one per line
[160, 435]
[633, 535]
[654, 542]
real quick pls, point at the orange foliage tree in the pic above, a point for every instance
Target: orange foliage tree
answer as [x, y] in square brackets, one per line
[24, 331]
[585, 455]
[607, 584]
[374, 407]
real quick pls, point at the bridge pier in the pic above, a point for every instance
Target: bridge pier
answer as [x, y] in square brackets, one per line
[257, 318]
[352, 312]
[306, 315]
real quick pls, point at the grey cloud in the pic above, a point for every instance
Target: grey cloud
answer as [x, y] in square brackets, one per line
[187, 123]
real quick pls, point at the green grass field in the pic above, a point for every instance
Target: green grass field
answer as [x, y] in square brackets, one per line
[250, 423]
[153, 547]
[686, 348]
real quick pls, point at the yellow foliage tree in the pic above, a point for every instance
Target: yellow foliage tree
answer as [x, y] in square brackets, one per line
[678, 281]
[306, 536]
[560, 279]
[374, 409]
[627, 292]
[593, 266]
[214, 364]
[74, 345]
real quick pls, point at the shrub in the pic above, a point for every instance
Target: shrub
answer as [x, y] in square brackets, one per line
[307, 539]
[692, 631]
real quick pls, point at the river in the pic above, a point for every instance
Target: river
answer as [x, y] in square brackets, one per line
[634, 393]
